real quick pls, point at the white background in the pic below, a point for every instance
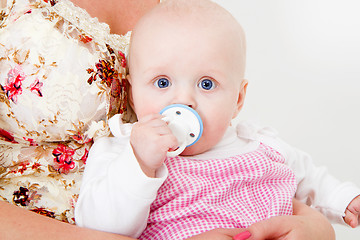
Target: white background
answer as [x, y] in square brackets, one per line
[303, 67]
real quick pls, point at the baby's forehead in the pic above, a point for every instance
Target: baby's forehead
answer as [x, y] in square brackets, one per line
[196, 18]
[201, 14]
[196, 12]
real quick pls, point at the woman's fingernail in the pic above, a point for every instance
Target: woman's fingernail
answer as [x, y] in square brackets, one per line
[242, 236]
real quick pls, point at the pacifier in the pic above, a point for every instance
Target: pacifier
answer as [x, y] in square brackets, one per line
[186, 125]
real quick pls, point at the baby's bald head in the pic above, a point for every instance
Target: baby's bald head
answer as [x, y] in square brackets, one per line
[197, 16]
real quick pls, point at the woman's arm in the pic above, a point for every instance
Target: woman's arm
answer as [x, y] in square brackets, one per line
[19, 224]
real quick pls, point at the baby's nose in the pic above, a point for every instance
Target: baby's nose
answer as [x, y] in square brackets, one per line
[185, 98]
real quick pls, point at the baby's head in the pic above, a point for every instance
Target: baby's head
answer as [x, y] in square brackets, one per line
[189, 52]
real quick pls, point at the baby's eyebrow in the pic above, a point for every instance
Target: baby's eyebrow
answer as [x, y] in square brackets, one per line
[155, 71]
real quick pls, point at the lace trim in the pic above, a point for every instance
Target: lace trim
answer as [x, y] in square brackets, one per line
[91, 25]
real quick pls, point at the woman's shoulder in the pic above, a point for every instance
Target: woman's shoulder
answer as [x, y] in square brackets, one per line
[73, 15]
[100, 31]
[59, 71]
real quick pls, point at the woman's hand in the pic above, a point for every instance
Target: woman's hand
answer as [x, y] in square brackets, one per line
[150, 139]
[217, 234]
[306, 223]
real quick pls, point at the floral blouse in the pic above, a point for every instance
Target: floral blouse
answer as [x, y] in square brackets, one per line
[62, 75]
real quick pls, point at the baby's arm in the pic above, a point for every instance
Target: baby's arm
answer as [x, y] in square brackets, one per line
[116, 195]
[316, 187]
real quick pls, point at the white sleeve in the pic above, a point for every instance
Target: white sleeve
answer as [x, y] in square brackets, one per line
[319, 189]
[316, 187]
[115, 194]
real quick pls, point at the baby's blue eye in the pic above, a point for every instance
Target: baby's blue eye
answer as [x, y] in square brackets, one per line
[206, 84]
[162, 83]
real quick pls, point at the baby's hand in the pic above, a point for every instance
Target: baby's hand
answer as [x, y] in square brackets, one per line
[150, 139]
[352, 212]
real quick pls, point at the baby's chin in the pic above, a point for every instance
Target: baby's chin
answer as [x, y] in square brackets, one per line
[203, 145]
[194, 150]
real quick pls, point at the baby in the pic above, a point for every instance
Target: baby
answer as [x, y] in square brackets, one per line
[192, 52]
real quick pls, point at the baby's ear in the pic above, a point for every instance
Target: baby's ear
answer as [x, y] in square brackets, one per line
[241, 97]
[130, 96]
[128, 77]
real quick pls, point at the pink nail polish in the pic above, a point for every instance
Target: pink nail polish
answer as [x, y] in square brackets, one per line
[242, 236]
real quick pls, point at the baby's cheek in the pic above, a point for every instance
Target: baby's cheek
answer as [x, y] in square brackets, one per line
[213, 135]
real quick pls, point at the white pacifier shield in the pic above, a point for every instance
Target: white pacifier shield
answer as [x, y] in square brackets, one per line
[185, 123]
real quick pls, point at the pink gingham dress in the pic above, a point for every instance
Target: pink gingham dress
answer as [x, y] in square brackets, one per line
[234, 192]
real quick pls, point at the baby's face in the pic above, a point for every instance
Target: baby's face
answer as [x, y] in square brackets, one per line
[175, 62]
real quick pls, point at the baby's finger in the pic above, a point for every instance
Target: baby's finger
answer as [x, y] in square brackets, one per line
[351, 219]
[151, 122]
[164, 130]
[167, 143]
[354, 205]
[150, 117]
